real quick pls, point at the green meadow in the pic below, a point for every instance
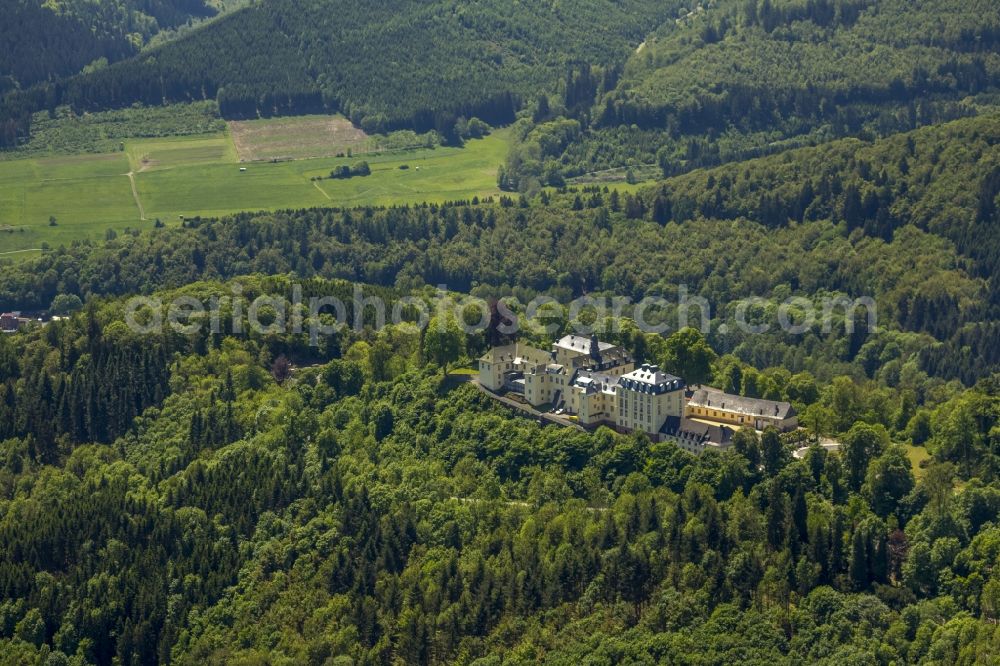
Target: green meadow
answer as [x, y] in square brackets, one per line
[85, 194]
[200, 175]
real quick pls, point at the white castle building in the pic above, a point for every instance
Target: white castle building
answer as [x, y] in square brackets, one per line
[598, 383]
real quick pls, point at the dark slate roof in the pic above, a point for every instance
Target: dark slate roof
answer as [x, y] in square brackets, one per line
[650, 379]
[714, 398]
[592, 382]
[593, 353]
[504, 354]
[581, 343]
[696, 432]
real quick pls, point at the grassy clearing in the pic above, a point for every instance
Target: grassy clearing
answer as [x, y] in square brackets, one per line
[86, 194]
[918, 455]
[217, 189]
[200, 175]
[432, 175]
[173, 152]
[619, 176]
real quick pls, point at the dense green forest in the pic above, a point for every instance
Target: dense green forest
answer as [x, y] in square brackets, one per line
[191, 495]
[385, 65]
[744, 78]
[357, 506]
[51, 40]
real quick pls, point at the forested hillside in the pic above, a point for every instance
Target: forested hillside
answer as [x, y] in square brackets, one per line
[51, 40]
[762, 64]
[208, 492]
[909, 221]
[742, 78]
[943, 179]
[384, 64]
[365, 509]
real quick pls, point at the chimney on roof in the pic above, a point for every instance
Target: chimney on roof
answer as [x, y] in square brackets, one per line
[595, 348]
[776, 410]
